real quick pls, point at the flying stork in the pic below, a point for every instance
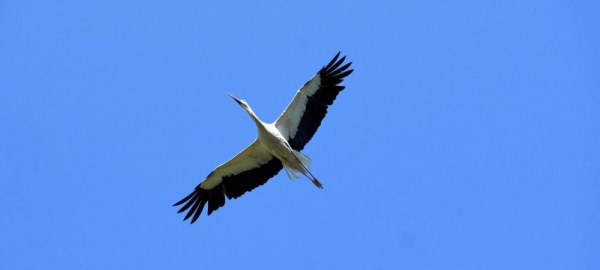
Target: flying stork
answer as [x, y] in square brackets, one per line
[277, 146]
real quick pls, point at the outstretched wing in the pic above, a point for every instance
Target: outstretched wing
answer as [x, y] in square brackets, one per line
[249, 169]
[301, 119]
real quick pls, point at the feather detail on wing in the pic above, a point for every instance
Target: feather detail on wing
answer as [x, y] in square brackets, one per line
[303, 116]
[249, 169]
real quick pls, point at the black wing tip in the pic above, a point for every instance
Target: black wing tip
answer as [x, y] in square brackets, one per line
[187, 198]
[200, 197]
[333, 67]
[332, 61]
[195, 202]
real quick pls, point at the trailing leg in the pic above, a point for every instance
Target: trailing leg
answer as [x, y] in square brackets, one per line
[304, 161]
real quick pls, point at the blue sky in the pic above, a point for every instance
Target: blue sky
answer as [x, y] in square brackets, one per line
[468, 136]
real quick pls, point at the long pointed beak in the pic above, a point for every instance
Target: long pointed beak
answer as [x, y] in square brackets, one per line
[236, 99]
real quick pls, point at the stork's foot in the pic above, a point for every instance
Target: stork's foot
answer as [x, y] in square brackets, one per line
[317, 183]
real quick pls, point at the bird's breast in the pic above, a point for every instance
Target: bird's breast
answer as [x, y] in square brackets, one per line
[275, 143]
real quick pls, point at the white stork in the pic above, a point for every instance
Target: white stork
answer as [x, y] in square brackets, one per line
[277, 145]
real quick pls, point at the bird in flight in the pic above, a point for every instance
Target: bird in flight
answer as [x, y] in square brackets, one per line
[277, 146]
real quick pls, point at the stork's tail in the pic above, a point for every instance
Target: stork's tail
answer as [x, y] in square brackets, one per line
[304, 159]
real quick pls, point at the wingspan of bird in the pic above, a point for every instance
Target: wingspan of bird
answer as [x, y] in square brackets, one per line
[254, 166]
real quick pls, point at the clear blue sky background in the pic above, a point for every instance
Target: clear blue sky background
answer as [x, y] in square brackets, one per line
[468, 136]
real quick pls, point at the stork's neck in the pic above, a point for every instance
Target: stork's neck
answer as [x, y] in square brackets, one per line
[259, 124]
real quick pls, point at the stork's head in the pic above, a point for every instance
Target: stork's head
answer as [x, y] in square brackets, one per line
[242, 103]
